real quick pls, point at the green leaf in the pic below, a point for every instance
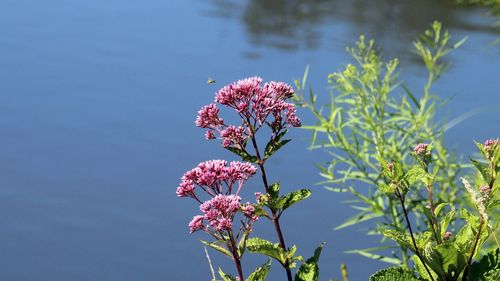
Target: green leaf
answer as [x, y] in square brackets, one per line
[309, 270]
[243, 242]
[225, 276]
[267, 248]
[260, 273]
[401, 238]
[487, 268]
[216, 246]
[445, 259]
[293, 197]
[240, 152]
[394, 274]
[274, 190]
[361, 217]
[483, 169]
[368, 254]
[414, 174]
[274, 146]
[445, 221]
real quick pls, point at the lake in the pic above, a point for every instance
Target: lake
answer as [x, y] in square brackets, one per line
[97, 107]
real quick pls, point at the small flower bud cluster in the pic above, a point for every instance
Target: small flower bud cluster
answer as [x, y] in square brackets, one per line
[485, 191]
[421, 149]
[447, 235]
[490, 144]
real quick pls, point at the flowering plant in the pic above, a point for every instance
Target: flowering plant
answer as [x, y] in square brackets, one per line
[258, 106]
[441, 252]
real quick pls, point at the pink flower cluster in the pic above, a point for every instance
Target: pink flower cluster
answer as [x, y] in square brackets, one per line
[421, 149]
[215, 177]
[490, 144]
[219, 212]
[218, 180]
[254, 103]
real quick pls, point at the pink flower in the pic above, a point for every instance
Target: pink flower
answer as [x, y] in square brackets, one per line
[249, 211]
[215, 177]
[236, 94]
[490, 144]
[233, 136]
[186, 188]
[209, 135]
[421, 149]
[196, 224]
[447, 235]
[220, 210]
[208, 117]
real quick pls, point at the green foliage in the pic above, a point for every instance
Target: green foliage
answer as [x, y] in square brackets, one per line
[260, 273]
[394, 274]
[371, 122]
[309, 270]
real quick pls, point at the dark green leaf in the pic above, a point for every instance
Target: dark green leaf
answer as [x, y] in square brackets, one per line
[488, 266]
[293, 197]
[394, 274]
[273, 146]
[309, 270]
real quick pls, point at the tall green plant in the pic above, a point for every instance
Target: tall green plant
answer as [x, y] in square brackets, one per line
[371, 114]
[440, 254]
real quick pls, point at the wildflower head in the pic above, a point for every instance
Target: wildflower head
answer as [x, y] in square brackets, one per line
[196, 224]
[421, 149]
[249, 211]
[256, 103]
[220, 210]
[489, 145]
[215, 177]
[447, 235]
[208, 117]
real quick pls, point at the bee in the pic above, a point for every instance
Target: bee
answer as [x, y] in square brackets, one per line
[210, 81]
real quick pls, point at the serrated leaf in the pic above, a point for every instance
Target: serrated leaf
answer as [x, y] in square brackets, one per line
[260, 273]
[274, 146]
[309, 270]
[394, 274]
[293, 197]
[487, 267]
[267, 248]
[215, 245]
[401, 238]
[415, 174]
[240, 152]
[445, 259]
[274, 190]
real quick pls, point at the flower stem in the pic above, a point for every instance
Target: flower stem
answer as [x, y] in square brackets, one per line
[236, 256]
[275, 217]
[417, 252]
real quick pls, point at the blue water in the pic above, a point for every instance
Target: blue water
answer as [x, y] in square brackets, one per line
[97, 108]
